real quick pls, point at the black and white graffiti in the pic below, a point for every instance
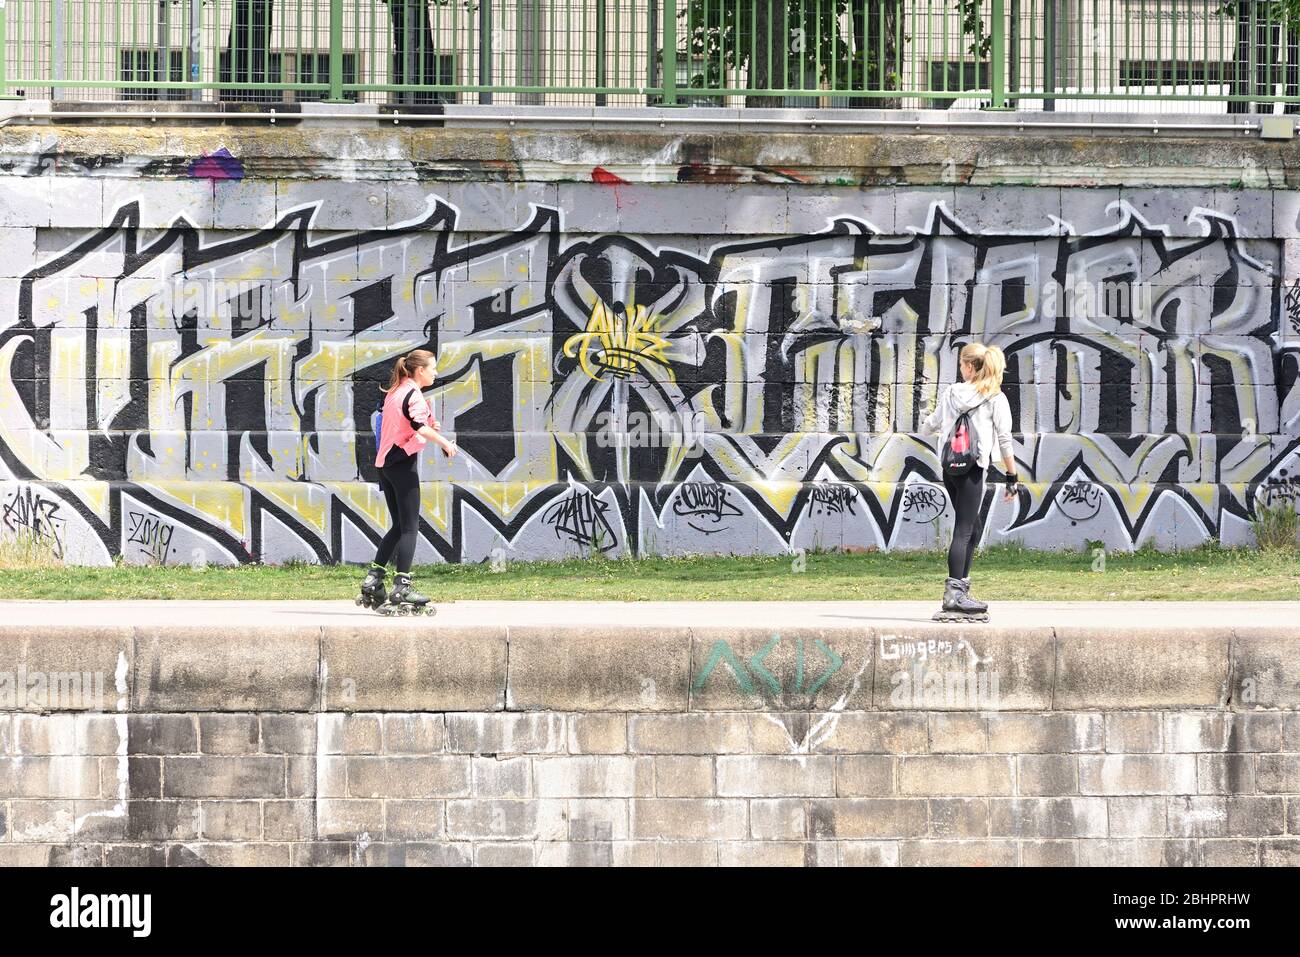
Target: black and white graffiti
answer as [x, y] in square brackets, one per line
[173, 389]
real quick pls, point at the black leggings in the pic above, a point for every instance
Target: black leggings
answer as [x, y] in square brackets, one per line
[966, 494]
[401, 484]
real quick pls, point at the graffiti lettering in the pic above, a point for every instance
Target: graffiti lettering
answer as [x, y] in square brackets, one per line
[828, 499]
[1279, 489]
[28, 510]
[706, 501]
[581, 519]
[753, 675]
[224, 380]
[1080, 501]
[923, 503]
[152, 534]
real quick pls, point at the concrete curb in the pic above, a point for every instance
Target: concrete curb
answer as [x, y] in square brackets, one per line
[339, 668]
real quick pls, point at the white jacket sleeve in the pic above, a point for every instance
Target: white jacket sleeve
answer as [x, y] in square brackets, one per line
[1002, 427]
[931, 423]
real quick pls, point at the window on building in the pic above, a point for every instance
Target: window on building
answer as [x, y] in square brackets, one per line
[314, 67]
[303, 66]
[438, 68]
[259, 68]
[956, 75]
[138, 66]
[1174, 72]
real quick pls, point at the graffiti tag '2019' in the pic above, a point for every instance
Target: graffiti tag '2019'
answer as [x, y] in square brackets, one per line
[219, 386]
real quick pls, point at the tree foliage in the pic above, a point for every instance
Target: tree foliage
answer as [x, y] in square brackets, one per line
[835, 41]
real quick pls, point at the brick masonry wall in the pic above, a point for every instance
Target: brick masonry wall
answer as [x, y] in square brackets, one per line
[822, 788]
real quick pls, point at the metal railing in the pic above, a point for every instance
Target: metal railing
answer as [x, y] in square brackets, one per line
[1123, 55]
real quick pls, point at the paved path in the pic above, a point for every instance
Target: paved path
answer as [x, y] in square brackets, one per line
[776, 614]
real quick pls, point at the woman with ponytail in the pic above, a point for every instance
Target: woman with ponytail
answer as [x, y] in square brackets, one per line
[406, 425]
[987, 416]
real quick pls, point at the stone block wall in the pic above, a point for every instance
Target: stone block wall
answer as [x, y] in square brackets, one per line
[733, 789]
[666, 747]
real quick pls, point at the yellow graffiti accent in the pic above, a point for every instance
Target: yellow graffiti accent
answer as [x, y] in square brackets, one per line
[535, 465]
[618, 343]
[1134, 498]
[224, 503]
[363, 498]
[96, 496]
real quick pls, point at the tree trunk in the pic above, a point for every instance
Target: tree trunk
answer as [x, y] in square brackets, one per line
[247, 58]
[415, 62]
[770, 61]
[882, 53]
[874, 28]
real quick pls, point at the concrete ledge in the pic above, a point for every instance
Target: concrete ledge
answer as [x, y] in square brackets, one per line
[404, 669]
[915, 149]
[62, 651]
[581, 668]
[692, 118]
[1266, 670]
[537, 657]
[1141, 667]
[211, 668]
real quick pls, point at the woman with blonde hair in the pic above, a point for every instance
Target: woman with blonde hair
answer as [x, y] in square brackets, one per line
[970, 416]
[405, 425]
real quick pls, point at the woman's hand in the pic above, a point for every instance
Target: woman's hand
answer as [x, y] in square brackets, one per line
[450, 448]
[1012, 487]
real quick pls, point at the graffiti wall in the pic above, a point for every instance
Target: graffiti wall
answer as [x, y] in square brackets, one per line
[174, 391]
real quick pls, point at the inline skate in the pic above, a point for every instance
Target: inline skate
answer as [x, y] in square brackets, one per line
[405, 600]
[373, 594]
[979, 606]
[958, 605]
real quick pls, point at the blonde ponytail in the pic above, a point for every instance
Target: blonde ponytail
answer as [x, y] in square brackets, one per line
[988, 363]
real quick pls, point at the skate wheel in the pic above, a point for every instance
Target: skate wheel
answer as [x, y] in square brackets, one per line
[950, 617]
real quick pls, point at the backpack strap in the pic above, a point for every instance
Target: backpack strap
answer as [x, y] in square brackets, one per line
[406, 410]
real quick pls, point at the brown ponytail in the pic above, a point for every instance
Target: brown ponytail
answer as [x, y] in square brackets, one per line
[406, 365]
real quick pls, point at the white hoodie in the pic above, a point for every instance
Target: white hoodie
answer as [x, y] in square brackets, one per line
[993, 417]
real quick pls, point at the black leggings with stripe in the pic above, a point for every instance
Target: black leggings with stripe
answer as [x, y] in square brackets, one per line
[966, 493]
[400, 479]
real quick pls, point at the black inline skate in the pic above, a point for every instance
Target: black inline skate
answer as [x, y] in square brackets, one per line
[979, 606]
[373, 594]
[958, 605]
[405, 600]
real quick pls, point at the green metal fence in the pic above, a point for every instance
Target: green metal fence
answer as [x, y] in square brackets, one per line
[1183, 55]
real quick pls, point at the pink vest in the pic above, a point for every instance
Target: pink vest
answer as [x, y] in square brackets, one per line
[395, 428]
